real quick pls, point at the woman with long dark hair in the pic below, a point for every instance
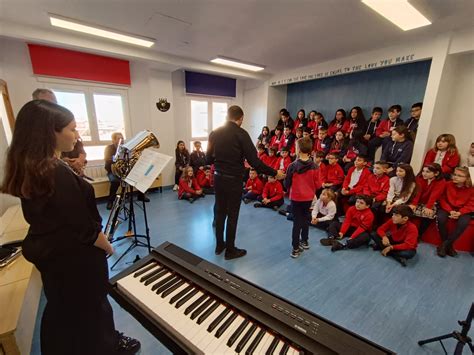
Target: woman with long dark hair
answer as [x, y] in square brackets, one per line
[65, 240]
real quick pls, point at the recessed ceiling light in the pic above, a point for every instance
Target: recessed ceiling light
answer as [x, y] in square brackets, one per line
[237, 64]
[63, 22]
[400, 12]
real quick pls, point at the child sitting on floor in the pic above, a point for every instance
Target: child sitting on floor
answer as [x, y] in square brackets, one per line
[324, 210]
[253, 188]
[189, 189]
[272, 196]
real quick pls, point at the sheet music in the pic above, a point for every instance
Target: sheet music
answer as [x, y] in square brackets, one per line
[150, 164]
[132, 143]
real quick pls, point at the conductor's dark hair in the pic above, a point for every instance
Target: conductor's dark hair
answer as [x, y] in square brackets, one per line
[235, 113]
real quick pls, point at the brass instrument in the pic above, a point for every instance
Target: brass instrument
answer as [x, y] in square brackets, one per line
[126, 158]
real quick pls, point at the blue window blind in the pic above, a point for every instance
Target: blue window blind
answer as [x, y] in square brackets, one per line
[402, 84]
[207, 84]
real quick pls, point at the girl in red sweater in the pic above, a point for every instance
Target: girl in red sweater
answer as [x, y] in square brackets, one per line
[445, 153]
[189, 189]
[430, 187]
[337, 123]
[457, 204]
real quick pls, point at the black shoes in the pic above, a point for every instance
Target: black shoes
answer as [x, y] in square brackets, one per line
[402, 261]
[337, 246]
[234, 253]
[257, 205]
[295, 253]
[304, 245]
[246, 201]
[220, 249]
[109, 205]
[127, 345]
[327, 242]
[441, 250]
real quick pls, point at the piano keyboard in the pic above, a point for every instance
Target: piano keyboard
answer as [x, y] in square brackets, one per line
[193, 306]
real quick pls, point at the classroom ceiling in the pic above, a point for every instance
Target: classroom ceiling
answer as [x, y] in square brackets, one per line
[279, 34]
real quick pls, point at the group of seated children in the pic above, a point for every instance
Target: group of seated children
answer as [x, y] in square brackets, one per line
[441, 191]
[193, 178]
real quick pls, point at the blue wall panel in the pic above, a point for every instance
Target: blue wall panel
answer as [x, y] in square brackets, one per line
[402, 84]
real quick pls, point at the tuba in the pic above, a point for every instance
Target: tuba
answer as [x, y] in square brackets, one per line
[128, 154]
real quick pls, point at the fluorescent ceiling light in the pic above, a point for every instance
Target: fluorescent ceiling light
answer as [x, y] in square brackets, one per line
[400, 12]
[74, 25]
[237, 64]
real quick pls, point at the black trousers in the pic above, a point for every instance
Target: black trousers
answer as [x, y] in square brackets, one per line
[271, 204]
[396, 254]
[114, 185]
[301, 219]
[461, 225]
[78, 317]
[362, 239]
[228, 197]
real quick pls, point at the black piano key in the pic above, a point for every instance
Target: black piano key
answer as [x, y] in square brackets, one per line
[167, 285]
[194, 304]
[156, 276]
[255, 342]
[186, 298]
[201, 308]
[284, 349]
[272, 346]
[208, 312]
[237, 333]
[150, 274]
[219, 319]
[225, 325]
[173, 288]
[245, 338]
[162, 282]
[145, 269]
[181, 294]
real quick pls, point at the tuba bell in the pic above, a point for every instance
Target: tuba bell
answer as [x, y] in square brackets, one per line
[128, 154]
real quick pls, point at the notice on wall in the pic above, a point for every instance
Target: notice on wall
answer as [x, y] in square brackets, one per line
[368, 65]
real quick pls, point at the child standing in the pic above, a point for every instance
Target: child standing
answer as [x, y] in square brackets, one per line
[272, 196]
[302, 182]
[188, 186]
[398, 237]
[182, 160]
[324, 210]
[356, 226]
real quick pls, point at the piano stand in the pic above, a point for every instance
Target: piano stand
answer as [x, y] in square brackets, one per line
[136, 242]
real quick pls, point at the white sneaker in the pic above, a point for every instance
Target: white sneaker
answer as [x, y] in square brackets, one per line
[175, 187]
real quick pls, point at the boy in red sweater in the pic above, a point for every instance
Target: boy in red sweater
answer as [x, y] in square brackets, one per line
[355, 179]
[272, 196]
[205, 179]
[376, 186]
[302, 181]
[253, 187]
[356, 226]
[398, 237]
[334, 173]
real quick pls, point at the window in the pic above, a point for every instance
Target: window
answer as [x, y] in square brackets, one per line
[98, 112]
[206, 115]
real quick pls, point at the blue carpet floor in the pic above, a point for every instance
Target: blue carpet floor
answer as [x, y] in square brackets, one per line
[357, 289]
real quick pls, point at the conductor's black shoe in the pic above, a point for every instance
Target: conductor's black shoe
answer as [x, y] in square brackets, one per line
[143, 198]
[109, 205]
[234, 253]
[127, 345]
[220, 249]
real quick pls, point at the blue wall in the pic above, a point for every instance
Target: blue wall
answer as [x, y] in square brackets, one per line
[402, 84]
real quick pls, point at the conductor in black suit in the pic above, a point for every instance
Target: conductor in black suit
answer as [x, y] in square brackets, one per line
[228, 147]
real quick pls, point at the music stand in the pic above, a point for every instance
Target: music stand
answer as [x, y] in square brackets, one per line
[127, 192]
[461, 337]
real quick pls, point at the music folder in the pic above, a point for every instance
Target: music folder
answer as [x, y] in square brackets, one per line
[147, 168]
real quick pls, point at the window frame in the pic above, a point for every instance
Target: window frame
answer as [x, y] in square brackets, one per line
[89, 89]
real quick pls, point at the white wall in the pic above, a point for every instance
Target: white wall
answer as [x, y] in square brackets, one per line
[454, 104]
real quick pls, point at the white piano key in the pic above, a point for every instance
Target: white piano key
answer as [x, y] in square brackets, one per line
[264, 344]
[278, 348]
[220, 344]
[231, 350]
[251, 339]
[203, 338]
